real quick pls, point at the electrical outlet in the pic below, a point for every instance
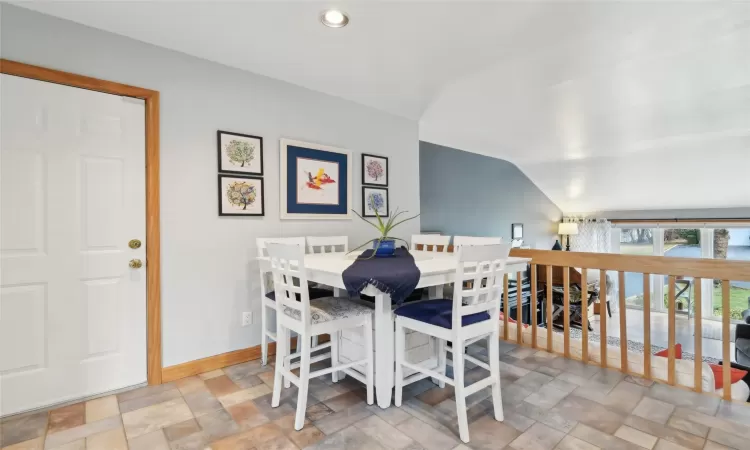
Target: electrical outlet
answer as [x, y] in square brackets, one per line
[247, 319]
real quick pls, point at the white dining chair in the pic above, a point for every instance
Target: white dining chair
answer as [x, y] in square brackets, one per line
[327, 244]
[268, 297]
[471, 315]
[430, 242]
[459, 241]
[309, 318]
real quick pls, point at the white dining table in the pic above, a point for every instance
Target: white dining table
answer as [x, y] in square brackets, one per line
[437, 269]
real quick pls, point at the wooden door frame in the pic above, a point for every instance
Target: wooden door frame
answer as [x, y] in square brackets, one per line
[153, 267]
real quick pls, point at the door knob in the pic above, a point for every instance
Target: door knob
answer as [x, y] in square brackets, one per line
[134, 243]
[135, 264]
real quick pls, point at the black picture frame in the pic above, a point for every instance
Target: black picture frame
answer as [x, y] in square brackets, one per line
[513, 234]
[241, 214]
[364, 182]
[219, 154]
[364, 201]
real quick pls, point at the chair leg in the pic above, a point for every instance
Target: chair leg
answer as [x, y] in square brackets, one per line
[458, 379]
[441, 358]
[288, 337]
[400, 350]
[304, 381]
[493, 352]
[609, 311]
[335, 355]
[370, 377]
[281, 343]
[263, 335]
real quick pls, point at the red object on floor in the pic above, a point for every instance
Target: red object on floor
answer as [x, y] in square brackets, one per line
[735, 375]
[677, 352]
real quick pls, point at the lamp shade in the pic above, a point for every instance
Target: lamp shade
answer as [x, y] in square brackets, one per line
[568, 228]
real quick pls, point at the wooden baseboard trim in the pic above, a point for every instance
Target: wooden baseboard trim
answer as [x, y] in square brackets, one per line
[210, 363]
[220, 361]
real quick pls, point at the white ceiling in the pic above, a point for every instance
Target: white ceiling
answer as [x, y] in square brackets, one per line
[601, 104]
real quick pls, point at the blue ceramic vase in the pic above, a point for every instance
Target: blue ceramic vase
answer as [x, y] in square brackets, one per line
[387, 247]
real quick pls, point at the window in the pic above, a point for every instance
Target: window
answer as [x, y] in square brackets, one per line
[635, 241]
[731, 244]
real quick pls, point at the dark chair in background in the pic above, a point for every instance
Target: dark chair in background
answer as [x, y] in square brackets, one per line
[742, 339]
[557, 286]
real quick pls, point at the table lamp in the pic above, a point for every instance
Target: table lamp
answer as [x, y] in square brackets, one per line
[566, 229]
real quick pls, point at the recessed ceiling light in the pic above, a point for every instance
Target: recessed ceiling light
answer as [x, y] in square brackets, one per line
[334, 18]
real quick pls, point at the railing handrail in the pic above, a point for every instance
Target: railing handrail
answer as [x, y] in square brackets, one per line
[662, 265]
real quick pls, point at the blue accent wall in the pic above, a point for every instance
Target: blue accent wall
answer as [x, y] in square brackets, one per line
[467, 194]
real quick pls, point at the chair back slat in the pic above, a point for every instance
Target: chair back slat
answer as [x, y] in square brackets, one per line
[478, 281]
[430, 242]
[290, 278]
[262, 243]
[327, 244]
[460, 241]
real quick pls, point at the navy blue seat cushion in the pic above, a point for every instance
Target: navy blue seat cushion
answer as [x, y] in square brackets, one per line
[315, 293]
[438, 312]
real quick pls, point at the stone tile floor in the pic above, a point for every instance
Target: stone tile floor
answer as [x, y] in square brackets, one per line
[550, 403]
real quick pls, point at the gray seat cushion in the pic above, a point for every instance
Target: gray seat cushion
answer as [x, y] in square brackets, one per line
[330, 308]
[743, 351]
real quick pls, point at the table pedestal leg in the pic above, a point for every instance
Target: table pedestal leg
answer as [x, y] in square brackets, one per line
[384, 350]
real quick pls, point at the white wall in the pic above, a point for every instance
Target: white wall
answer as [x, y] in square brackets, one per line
[208, 271]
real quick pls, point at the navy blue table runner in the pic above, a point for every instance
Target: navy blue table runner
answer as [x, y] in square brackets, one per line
[397, 275]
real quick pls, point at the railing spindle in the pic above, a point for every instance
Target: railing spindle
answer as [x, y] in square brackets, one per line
[549, 308]
[519, 308]
[671, 325]
[623, 324]
[725, 312]
[698, 333]
[673, 268]
[533, 301]
[566, 311]
[584, 316]
[506, 307]
[647, 326]
[603, 316]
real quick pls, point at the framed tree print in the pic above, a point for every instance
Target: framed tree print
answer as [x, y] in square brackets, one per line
[241, 196]
[374, 199]
[374, 170]
[240, 153]
[316, 181]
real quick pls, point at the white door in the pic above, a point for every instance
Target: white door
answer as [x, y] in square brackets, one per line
[72, 312]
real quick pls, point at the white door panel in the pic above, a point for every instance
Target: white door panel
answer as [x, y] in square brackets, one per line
[72, 312]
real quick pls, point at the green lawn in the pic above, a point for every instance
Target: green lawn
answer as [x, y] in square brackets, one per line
[738, 298]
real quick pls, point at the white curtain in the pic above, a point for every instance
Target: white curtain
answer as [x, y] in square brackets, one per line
[594, 235]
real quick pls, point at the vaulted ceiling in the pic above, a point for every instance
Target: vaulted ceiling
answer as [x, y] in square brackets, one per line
[605, 106]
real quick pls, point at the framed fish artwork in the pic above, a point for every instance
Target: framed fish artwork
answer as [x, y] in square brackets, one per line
[315, 181]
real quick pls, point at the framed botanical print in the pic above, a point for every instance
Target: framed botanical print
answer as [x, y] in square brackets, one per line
[240, 153]
[316, 181]
[241, 196]
[374, 199]
[374, 170]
